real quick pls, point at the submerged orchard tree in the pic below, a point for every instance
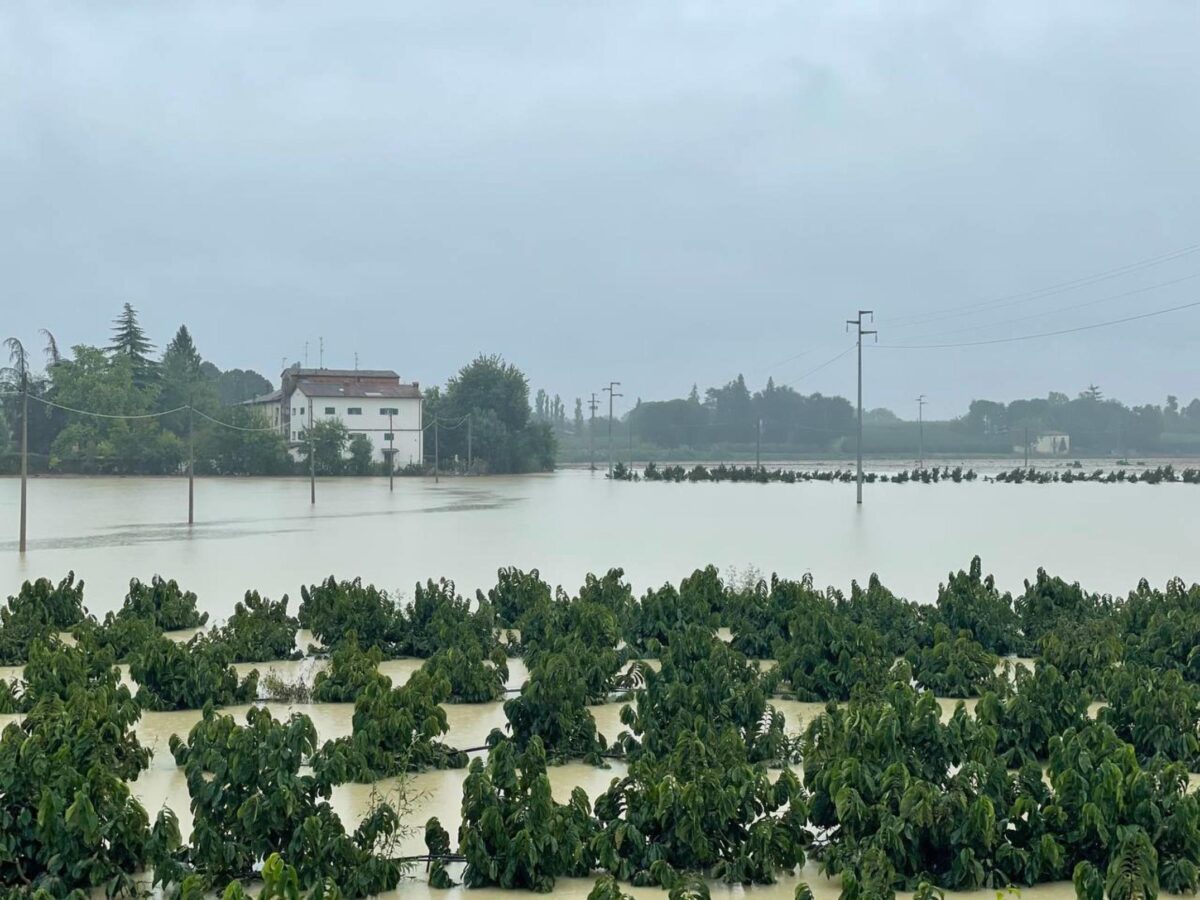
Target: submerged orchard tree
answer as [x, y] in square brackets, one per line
[513, 833]
[252, 796]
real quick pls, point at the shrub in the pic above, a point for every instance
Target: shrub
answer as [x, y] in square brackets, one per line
[513, 834]
[954, 666]
[333, 609]
[970, 602]
[174, 675]
[39, 609]
[164, 603]
[260, 631]
[250, 800]
[552, 709]
[395, 731]
[69, 820]
[350, 670]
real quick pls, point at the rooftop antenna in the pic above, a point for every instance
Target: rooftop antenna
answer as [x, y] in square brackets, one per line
[355, 360]
[306, 354]
[321, 362]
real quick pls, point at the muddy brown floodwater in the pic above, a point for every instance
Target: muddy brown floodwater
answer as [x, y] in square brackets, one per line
[263, 534]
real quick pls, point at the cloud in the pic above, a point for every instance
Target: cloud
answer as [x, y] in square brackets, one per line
[662, 193]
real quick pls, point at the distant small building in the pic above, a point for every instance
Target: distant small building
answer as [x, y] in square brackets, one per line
[370, 402]
[1048, 443]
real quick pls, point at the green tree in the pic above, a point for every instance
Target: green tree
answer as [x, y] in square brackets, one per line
[361, 452]
[182, 382]
[495, 395]
[327, 439]
[98, 383]
[129, 340]
[249, 447]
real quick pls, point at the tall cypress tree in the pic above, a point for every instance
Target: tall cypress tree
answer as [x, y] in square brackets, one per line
[129, 339]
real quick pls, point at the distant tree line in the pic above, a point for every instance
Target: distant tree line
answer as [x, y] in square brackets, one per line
[1095, 424]
[728, 419]
[144, 426]
[134, 390]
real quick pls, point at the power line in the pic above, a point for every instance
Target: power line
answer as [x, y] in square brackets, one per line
[84, 412]
[1043, 334]
[814, 371]
[205, 415]
[1037, 293]
[1062, 309]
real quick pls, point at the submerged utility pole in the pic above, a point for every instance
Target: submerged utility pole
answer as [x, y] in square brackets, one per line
[470, 456]
[921, 432]
[312, 459]
[858, 324]
[592, 404]
[611, 395]
[391, 454]
[436, 453]
[631, 443]
[1027, 446]
[758, 446]
[191, 467]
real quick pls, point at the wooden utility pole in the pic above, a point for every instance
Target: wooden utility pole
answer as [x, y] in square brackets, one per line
[391, 454]
[24, 455]
[611, 395]
[758, 446]
[858, 324]
[921, 432]
[631, 443]
[592, 404]
[436, 453]
[312, 459]
[191, 467]
[1027, 446]
[470, 456]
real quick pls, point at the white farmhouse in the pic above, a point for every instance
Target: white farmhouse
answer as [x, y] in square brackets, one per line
[370, 402]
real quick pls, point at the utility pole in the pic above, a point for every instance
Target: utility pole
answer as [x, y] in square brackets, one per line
[858, 324]
[391, 454]
[470, 436]
[191, 467]
[24, 452]
[758, 446]
[306, 354]
[631, 443]
[312, 459]
[1027, 446]
[611, 395]
[436, 452]
[592, 404]
[921, 432]
[321, 354]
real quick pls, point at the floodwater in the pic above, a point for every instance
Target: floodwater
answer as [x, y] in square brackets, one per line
[263, 534]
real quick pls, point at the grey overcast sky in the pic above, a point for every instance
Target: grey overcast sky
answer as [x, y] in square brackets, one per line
[660, 193]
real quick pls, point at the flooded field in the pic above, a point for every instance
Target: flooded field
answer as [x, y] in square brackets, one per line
[264, 534]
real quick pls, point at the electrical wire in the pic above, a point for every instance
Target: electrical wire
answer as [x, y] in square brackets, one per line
[1043, 334]
[205, 415]
[814, 371]
[84, 412]
[1062, 309]
[957, 311]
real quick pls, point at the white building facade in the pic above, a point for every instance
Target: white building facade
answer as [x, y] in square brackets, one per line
[371, 403]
